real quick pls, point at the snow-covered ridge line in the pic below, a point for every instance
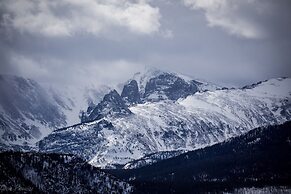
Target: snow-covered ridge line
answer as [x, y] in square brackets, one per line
[251, 86]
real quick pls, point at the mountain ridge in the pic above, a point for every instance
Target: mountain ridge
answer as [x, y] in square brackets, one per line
[199, 120]
[123, 131]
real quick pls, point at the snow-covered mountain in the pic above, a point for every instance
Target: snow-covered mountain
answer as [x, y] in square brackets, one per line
[29, 111]
[166, 112]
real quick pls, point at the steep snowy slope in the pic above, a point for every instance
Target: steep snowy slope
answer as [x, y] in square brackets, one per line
[29, 111]
[199, 120]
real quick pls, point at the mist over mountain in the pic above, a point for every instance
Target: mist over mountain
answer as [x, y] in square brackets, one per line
[31, 111]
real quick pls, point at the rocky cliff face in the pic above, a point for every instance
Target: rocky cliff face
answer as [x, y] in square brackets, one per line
[53, 173]
[168, 86]
[154, 86]
[130, 93]
[111, 105]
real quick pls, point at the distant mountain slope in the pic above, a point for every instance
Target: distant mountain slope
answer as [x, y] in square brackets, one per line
[29, 111]
[258, 158]
[53, 173]
[192, 122]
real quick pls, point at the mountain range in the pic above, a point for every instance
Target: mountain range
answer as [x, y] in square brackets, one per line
[154, 120]
[150, 116]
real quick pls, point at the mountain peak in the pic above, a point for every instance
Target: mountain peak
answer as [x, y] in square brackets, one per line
[111, 105]
[130, 93]
[111, 96]
[168, 86]
[144, 76]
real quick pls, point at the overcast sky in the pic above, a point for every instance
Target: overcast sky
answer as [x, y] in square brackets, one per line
[233, 42]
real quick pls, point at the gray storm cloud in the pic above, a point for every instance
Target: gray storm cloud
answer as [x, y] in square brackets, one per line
[230, 15]
[70, 17]
[97, 41]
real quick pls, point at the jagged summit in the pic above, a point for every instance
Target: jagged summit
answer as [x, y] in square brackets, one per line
[112, 104]
[151, 86]
[144, 76]
[168, 86]
[155, 85]
[130, 93]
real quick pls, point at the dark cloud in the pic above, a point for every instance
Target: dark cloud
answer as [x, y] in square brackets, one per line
[183, 42]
